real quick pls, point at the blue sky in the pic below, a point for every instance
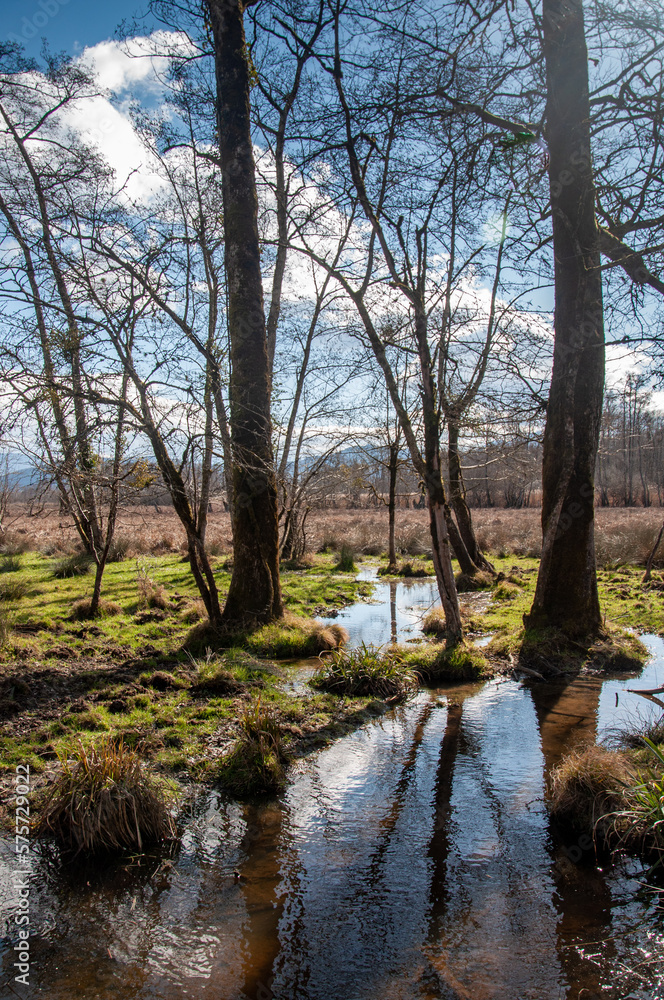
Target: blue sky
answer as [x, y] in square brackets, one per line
[67, 25]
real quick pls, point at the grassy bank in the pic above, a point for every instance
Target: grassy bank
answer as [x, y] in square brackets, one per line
[152, 605]
[184, 716]
[615, 795]
[142, 673]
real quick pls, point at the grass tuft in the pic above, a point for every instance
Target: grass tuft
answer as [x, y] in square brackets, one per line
[103, 800]
[77, 564]
[616, 797]
[227, 674]
[10, 563]
[106, 609]
[366, 670]
[412, 571]
[14, 544]
[293, 637]
[13, 590]
[257, 763]
[467, 584]
[346, 560]
[631, 735]
[506, 591]
[6, 627]
[437, 662]
[150, 593]
[119, 549]
[587, 787]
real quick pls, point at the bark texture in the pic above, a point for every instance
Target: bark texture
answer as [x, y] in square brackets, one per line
[391, 507]
[458, 501]
[254, 595]
[566, 594]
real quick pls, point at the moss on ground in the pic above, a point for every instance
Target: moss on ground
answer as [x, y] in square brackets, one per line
[551, 653]
[625, 601]
[43, 620]
[435, 663]
[185, 715]
[66, 680]
[292, 637]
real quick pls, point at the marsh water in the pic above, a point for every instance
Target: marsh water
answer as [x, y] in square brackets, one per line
[411, 860]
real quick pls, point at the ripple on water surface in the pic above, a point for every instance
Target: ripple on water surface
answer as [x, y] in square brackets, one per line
[411, 859]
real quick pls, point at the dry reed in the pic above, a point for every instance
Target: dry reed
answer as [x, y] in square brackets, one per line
[103, 800]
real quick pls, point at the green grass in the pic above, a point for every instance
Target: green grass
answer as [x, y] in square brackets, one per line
[549, 651]
[435, 663]
[295, 637]
[174, 711]
[257, 763]
[624, 600]
[43, 607]
[109, 669]
[365, 670]
[625, 603]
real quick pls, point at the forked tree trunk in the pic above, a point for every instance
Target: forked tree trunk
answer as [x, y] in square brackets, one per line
[651, 556]
[459, 550]
[254, 595]
[391, 507]
[458, 500]
[442, 558]
[566, 594]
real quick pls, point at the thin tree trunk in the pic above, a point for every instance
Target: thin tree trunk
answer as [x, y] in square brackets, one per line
[566, 595]
[391, 507]
[458, 499]
[254, 595]
[102, 557]
[651, 556]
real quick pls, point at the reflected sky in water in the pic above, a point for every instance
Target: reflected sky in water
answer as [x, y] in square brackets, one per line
[410, 860]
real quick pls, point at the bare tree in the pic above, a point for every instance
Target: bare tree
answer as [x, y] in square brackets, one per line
[255, 594]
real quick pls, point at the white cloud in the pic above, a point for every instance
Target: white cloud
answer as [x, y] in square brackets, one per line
[119, 66]
[125, 69]
[99, 123]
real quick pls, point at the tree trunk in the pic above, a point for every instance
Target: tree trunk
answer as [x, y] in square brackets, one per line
[391, 507]
[566, 594]
[442, 559]
[459, 550]
[651, 556]
[254, 595]
[458, 499]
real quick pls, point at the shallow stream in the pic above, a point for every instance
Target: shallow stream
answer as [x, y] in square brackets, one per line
[413, 858]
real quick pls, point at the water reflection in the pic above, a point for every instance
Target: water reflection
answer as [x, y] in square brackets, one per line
[412, 859]
[396, 609]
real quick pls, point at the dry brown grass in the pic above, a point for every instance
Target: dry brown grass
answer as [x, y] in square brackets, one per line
[103, 800]
[150, 593]
[106, 609]
[623, 534]
[588, 788]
